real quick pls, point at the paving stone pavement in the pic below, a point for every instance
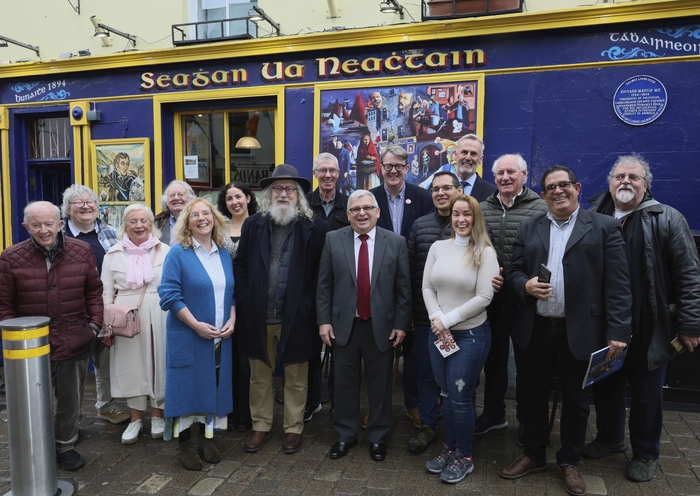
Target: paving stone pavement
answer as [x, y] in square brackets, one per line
[152, 466]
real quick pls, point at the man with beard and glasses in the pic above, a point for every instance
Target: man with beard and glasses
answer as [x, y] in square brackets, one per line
[276, 272]
[665, 283]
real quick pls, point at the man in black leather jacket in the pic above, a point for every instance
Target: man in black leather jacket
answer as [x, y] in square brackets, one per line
[665, 276]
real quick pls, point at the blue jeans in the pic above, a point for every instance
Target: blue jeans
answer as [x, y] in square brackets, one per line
[458, 375]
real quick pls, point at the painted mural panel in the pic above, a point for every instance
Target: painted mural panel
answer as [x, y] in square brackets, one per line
[425, 119]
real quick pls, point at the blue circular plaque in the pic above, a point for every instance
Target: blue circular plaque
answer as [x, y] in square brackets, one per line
[640, 100]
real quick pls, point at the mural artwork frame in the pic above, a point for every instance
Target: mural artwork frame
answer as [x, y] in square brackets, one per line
[425, 115]
[122, 170]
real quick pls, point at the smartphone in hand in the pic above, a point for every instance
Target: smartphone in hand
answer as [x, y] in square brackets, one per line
[545, 274]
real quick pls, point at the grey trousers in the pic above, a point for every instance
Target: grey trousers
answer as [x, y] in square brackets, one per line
[68, 378]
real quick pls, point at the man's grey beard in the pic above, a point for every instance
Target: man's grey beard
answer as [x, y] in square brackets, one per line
[624, 195]
[283, 214]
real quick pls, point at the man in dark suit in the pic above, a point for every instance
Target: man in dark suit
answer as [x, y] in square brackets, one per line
[363, 307]
[470, 153]
[585, 305]
[401, 204]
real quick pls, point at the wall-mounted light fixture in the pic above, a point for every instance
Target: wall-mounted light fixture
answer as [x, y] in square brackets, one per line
[391, 7]
[103, 31]
[5, 40]
[260, 15]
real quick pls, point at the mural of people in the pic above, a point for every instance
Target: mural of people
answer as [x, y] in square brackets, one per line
[121, 177]
[367, 161]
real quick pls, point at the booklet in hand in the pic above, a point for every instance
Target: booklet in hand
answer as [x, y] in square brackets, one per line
[446, 349]
[599, 367]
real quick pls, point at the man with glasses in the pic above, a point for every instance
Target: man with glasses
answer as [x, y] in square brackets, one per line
[55, 275]
[584, 306]
[401, 204]
[357, 261]
[81, 210]
[175, 197]
[425, 231]
[330, 205]
[276, 273]
[503, 211]
[663, 265]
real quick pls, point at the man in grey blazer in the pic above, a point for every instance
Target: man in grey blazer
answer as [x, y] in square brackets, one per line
[358, 327]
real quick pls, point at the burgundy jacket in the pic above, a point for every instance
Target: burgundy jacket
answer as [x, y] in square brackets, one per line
[69, 293]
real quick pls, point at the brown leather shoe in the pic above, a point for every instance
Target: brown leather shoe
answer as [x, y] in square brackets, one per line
[521, 466]
[256, 440]
[573, 482]
[292, 443]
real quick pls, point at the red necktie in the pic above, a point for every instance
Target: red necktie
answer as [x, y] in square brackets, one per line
[363, 308]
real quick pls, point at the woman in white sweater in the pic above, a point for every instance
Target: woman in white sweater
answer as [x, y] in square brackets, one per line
[457, 289]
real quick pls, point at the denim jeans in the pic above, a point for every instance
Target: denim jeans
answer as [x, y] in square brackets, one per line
[458, 375]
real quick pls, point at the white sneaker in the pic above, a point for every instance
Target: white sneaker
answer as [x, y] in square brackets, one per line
[157, 427]
[131, 434]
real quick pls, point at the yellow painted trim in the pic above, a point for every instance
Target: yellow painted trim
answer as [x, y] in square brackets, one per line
[23, 335]
[6, 222]
[146, 142]
[227, 151]
[277, 92]
[78, 155]
[464, 28]
[88, 162]
[24, 354]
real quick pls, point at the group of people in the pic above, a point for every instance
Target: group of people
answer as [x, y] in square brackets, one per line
[231, 296]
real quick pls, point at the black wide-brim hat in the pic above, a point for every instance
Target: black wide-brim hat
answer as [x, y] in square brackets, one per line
[285, 171]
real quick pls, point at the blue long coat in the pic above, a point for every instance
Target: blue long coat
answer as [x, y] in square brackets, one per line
[190, 384]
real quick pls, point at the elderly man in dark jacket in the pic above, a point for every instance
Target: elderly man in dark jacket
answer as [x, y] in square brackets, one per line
[427, 230]
[665, 275]
[56, 276]
[503, 211]
[276, 273]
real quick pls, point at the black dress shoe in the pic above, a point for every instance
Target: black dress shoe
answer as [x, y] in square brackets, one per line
[340, 449]
[377, 451]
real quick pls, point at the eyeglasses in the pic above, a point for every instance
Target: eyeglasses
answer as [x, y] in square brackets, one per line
[80, 203]
[204, 213]
[633, 177]
[357, 210]
[177, 195]
[564, 185]
[446, 188]
[396, 167]
[323, 172]
[287, 189]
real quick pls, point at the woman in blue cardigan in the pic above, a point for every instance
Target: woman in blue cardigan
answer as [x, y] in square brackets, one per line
[197, 292]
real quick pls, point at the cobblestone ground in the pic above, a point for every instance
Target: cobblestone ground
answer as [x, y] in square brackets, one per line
[152, 466]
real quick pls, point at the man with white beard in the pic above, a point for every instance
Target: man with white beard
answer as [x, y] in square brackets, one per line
[665, 282]
[276, 273]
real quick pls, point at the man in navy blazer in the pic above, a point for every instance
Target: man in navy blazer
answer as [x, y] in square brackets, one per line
[355, 336]
[470, 153]
[400, 203]
[584, 307]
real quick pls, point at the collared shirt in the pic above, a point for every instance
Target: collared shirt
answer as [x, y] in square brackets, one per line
[396, 206]
[106, 234]
[468, 184]
[370, 249]
[512, 201]
[212, 264]
[173, 220]
[558, 238]
[328, 205]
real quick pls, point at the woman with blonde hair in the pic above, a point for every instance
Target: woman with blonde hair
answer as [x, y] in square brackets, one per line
[456, 290]
[197, 292]
[137, 364]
